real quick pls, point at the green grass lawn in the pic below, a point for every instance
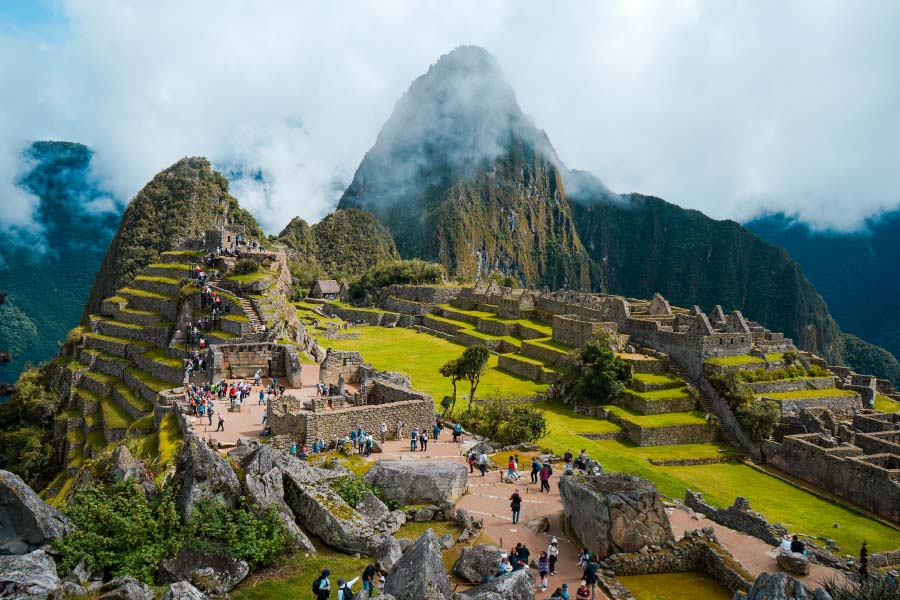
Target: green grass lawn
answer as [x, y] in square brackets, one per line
[157, 279]
[145, 294]
[885, 404]
[479, 314]
[182, 266]
[740, 359]
[114, 416]
[656, 378]
[661, 420]
[801, 394]
[161, 356]
[673, 393]
[293, 575]
[249, 277]
[531, 323]
[420, 356]
[720, 483]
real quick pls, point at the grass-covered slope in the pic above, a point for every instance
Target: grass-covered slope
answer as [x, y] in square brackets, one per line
[180, 202]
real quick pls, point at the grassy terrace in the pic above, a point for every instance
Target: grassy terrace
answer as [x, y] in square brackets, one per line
[236, 318]
[550, 344]
[183, 266]
[480, 314]
[157, 279]
[775, 357]
[885, 404]
[96, 440]
[249, 277]
[102, 378]
[803, 394]
[145, 294]
[154, 383]
[669, 394]
[92, 420]
[532, 323]
[731, 361]
[656, 378]
[548, 366]
[183, 253]
[160, 356]
[132, 398]
[117, 340]
[114, 416]
[146, 313]
[662, 420]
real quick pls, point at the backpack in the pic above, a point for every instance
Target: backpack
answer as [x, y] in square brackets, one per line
[549, 469]
[315, 586]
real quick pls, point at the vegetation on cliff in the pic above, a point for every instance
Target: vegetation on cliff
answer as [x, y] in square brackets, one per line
[179, 203]
[342, 246]
[412, 272]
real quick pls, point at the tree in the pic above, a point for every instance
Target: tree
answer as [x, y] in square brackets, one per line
[451, 369]
[597, 375]
[472, 364]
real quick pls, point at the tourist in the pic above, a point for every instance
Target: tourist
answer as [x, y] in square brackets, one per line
[424, 441]
[303, 452]
[892, 579]
[561, 593]
[369, 443]
[482, 463]
[567, 457]
[584, 558]
[864, 563]
[583, 592]
[543, 567]
[553, 555]
[256, 377]
[490, 576]
[221, 426]
[582, 461]
[522, 552]
[785, 546]
[590, 573]
[209, 413]
[797, 546]
[321, 586]
[294, 448]
[399, 430]
[535, 469]
[368, 577]
[436, 430]
[413, 439]
[353, 438]
[512, 473]
[383, 432]
[515, 504]
[470, 460]
[546, 472]
[457, 433]
[505, 566]
[262, 397]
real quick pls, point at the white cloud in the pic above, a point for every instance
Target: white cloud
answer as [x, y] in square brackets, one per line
[729, 108]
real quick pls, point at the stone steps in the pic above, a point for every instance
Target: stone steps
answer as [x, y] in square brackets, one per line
[250, 311]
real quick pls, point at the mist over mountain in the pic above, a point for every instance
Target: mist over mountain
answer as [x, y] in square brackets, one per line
[857, 273]
[48, 270]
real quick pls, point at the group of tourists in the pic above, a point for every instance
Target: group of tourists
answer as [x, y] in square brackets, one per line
[373, 579]
[326, 391]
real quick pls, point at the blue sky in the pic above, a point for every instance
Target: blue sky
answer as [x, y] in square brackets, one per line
[731, 108]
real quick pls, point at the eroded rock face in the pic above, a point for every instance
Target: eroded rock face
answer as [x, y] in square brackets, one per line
[28, 576]
[26, 521]
[322, 512]
[512, 586]
[476, 561]
[202, 474]
[372, 509]
[781, 586]
[268, 490]
[614, 512]
[210, 574]
[419, 482]
[420, 574]
[183, 590]
[793, 562]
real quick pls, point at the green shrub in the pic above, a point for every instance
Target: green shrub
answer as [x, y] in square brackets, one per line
[762, 374]
[506, 421]
[352, 489]
[245, 266]
[790, 357]
[595, 375]
[759, 418]
[415, 271]
[817, 371]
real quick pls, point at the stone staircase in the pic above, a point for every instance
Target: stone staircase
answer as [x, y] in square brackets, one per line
[250, 310]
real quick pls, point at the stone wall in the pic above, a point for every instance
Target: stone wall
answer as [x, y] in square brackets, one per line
[790, 385]
[739, 516]
[340, 364]
[569, 329]
[843, 407]
[654, 407]
[666, 436]
[305, 426]
[241, 360]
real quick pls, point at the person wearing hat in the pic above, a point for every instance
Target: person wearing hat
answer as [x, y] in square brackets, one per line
[553, 555]
[321, 586]
[892, 578]
[504, 566]
[583, 592]
[561, 593]
[344, 591]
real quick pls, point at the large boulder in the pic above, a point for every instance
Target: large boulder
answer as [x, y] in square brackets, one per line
[793, 562]
[517, 585]
[419, 482]
[182, 590]
[266, 457]
[420, 574]
[614, 512]
[210, 574]
[324, 513]
[475, 562]
[780, 586]
[29, 576]
[126, 588]
[202, 474]
[379, 515]
[26, 521]
[268, 490]
[389, 552]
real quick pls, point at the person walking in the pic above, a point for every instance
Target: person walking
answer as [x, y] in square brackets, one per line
[383, 432]
[436, 431]
[457, 433]
[413, 439]
[590, 574]
[482, 463]
[535, 469]
[864, 563]
[424, 440]
[470, 460]
[221, 426]
[553, 555]
[321, 586]
[209, 412]
[512, 473]
[515, 504]
[545, 473]
[399, 430]
[543, 566]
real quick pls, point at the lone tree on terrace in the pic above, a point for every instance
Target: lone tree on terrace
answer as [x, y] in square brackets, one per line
[597, 375]
[472, 365]
[451, 369]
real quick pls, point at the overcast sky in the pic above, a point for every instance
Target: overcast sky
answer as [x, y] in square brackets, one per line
[732, 108]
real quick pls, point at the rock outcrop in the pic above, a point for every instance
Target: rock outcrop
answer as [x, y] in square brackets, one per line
[210, 574]
[202, 474]
[419, 482]
[420, 574]
[26, 521]
[324, 513]
[29, 576]
[614, 512]
[119, 465]
[512, 586]
[183, 590]
[268, 490]
[126, 588]
[780, 586]
[475, 562]
[379, 515]
[793, 562]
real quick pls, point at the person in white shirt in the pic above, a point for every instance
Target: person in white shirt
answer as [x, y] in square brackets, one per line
[345, 591]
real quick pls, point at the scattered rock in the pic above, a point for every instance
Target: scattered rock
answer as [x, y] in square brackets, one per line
[70, 589]
[405, 543]
[126, 588]
[202, 474]
[463, 519]
[538, 525]
[389, 552]
[210, 574]
[26, 521]
[419, 482]
[267, 490]
[476, 562]
[481, 447]
[780, 586]
[244, 447]
[79, 574]
[372, 509]
[182, 590]
[424, 514]
[420, 574]
[446, 541]
[793, 562]
[28, 576]
[512, 586]
[614, 512]
[393, 522]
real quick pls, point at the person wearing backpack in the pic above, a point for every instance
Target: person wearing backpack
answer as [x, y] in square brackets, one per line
[344, 589]
[546, 471]
[321, 587]
[515, 504]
